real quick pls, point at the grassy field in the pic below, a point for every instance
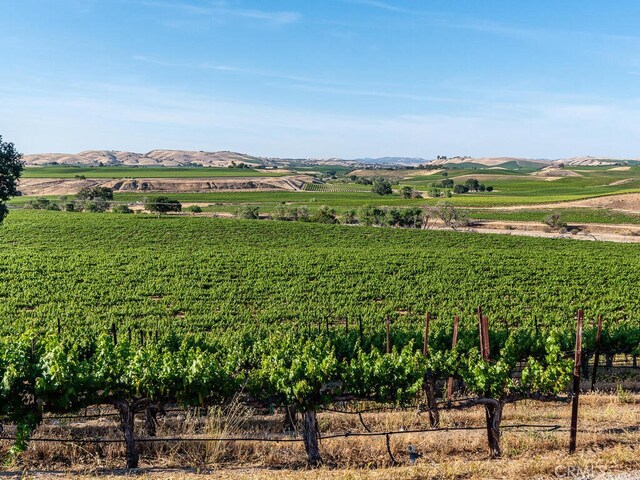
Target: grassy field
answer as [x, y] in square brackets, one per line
[607, 441]
[146, 172]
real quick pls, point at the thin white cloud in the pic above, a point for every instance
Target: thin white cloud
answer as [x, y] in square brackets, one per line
[381, 5]
[233, 69]
[221, 9]
[489, 26]
[278, 18]
[378, 94]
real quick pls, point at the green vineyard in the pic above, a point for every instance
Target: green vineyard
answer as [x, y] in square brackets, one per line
[140, 310]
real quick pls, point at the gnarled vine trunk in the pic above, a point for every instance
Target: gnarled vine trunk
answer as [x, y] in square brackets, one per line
[493, 413]
[310, 435]
[127, 419]
[291, 418]
[609, 360]
[151, 420]
[127, 411]
[430, 391]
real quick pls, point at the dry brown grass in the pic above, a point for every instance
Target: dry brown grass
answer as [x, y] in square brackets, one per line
[609, 440]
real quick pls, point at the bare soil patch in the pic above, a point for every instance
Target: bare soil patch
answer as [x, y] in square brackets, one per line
[625, 202]
[555, 172]
[621, 182]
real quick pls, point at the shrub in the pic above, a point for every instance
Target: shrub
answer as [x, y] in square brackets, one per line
[382, 186]
[407, 191]
[95, 193]
[121, 209]
[249, 212]
[194, 209]
[555, 221]
[350, 218]
[324, 215]
[163, 205]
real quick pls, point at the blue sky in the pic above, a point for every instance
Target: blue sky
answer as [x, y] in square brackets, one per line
[323, 78]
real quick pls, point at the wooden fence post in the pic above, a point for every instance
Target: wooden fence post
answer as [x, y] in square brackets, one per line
[429, 383]
[596, 355]
[576, 383]
[388, 325]
[485, 337]
[493, 413]
[425, 346]
[456, 321]
[480, 329]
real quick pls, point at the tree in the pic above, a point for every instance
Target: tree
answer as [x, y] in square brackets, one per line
[121, 209]
[435, 192]
[350, 217]
[460, 189]
[382, 186]
[95, 199]
[555, 221]
[449, 215]
[446, 183]
[370, 215]
[163, 205]
[325, 215]
[407, 191]
[10, 169]
[95, 193]
[249, 212]
[302, 214]
[472, 184]
[284, 213]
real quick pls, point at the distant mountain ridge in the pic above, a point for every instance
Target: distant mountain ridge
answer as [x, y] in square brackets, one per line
[189, 158]
[154, 158]
[393, 160]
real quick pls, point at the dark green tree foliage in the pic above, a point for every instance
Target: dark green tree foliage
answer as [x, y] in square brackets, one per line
[249, 212]
[407, 191]
[95, 193]
[94, 199]
[122, 209]
[382, 186]
[163, 205]
[10, 169]
[325, 215]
